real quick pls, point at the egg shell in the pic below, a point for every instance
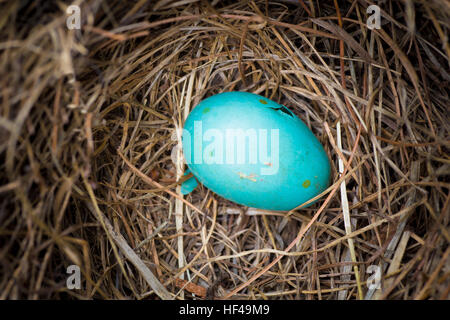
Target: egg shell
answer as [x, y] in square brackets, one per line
[224, 134]
[189, 185]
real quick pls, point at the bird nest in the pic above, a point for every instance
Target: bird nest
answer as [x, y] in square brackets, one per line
[89, 129]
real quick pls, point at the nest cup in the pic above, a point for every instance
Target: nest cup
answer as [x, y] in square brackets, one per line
[91, 162]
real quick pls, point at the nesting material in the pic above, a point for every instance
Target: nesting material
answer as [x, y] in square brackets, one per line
[91, 168]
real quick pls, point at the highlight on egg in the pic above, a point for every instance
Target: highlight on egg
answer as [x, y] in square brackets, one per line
[254, 151]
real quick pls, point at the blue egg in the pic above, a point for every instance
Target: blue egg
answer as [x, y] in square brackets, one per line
[253, 151]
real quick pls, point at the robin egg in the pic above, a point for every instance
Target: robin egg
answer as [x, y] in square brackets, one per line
[254, 151]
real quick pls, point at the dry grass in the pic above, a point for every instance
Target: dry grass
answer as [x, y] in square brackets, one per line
[88, 121]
